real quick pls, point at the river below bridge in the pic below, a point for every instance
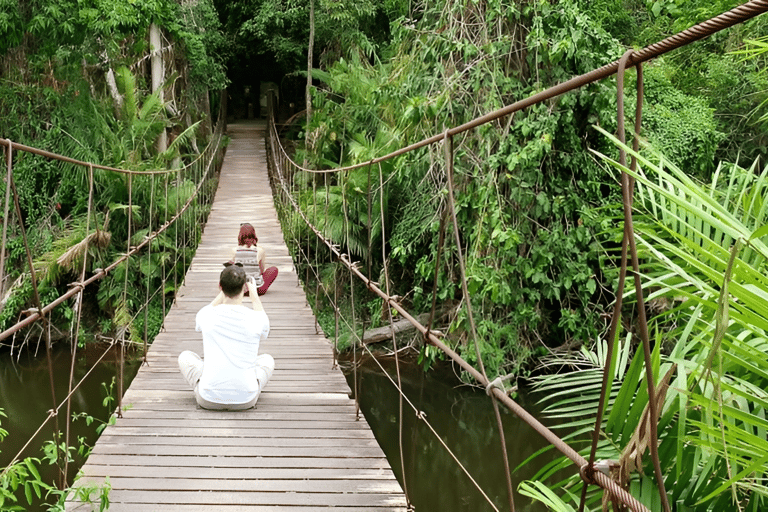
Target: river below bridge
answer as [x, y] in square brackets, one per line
[464, 419]
[461, 415]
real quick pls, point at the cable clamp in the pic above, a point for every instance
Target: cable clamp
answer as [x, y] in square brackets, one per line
[587, 474]
[495, 383]
[498, 382]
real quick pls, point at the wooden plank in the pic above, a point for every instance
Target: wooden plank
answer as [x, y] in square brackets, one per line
[240, 474]
[120, 507]
[298, 463]
[371, 486]
[303, 448]
[247, 442]
[145, 498]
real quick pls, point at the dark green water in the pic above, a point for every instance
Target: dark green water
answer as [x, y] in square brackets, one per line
[25, 397]
[462, 416]
[464, 420]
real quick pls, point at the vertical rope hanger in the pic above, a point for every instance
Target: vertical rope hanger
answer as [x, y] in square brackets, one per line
[9, 164]
[448, 145]
[627, 185]
[176, 236]
[317, 279]
[79, 312]
[394, 337]
[628, 250]
[121, 340]
[438, 258]
[351, 294]
[149, 268]
[165, 221]
[46, 324]
[587, 471]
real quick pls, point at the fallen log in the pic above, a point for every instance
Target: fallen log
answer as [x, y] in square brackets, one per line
[385, 333]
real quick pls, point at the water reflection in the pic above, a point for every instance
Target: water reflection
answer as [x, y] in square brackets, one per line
[25, 397]
[463, 417]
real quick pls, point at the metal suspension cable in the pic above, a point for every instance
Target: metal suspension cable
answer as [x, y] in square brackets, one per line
[54, 156]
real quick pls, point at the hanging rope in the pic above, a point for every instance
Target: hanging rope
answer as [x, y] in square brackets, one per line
[448, 145]
[9, 171]
[78, 314]
[394, 335]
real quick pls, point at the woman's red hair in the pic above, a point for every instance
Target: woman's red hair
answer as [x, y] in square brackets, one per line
[247, 235]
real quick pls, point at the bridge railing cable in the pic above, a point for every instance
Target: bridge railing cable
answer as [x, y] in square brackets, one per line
[192, 180]
[285, 170]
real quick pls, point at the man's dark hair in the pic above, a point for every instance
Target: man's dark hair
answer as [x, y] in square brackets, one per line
[232, 280]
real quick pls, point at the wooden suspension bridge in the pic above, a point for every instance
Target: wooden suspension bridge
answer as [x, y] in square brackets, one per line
[303, 448]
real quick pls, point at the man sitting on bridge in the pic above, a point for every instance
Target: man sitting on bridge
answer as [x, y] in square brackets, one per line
[233, 373]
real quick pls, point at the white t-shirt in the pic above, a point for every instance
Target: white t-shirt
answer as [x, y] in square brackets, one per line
[231, 335]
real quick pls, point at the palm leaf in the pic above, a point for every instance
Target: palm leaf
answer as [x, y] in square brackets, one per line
[703, 254]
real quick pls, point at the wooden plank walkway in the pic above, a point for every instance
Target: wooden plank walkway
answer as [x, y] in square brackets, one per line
[300, 449]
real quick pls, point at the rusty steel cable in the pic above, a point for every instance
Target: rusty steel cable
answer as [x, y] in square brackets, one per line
[53, 156]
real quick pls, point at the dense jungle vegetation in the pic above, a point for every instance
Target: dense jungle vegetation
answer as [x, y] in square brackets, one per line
[537, 194]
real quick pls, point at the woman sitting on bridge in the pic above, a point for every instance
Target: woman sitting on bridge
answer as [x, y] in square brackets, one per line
[253, 258]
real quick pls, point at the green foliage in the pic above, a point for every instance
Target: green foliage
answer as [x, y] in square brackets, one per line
[686, 13]
[621, 18]
[520, 189]
[280, 28]
[681, 126]
[24, 478]
[205, 45]
[702, 250]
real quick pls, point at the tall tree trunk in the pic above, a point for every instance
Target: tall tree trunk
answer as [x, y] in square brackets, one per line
[309, 72]
[114, 92]
[156, 49]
